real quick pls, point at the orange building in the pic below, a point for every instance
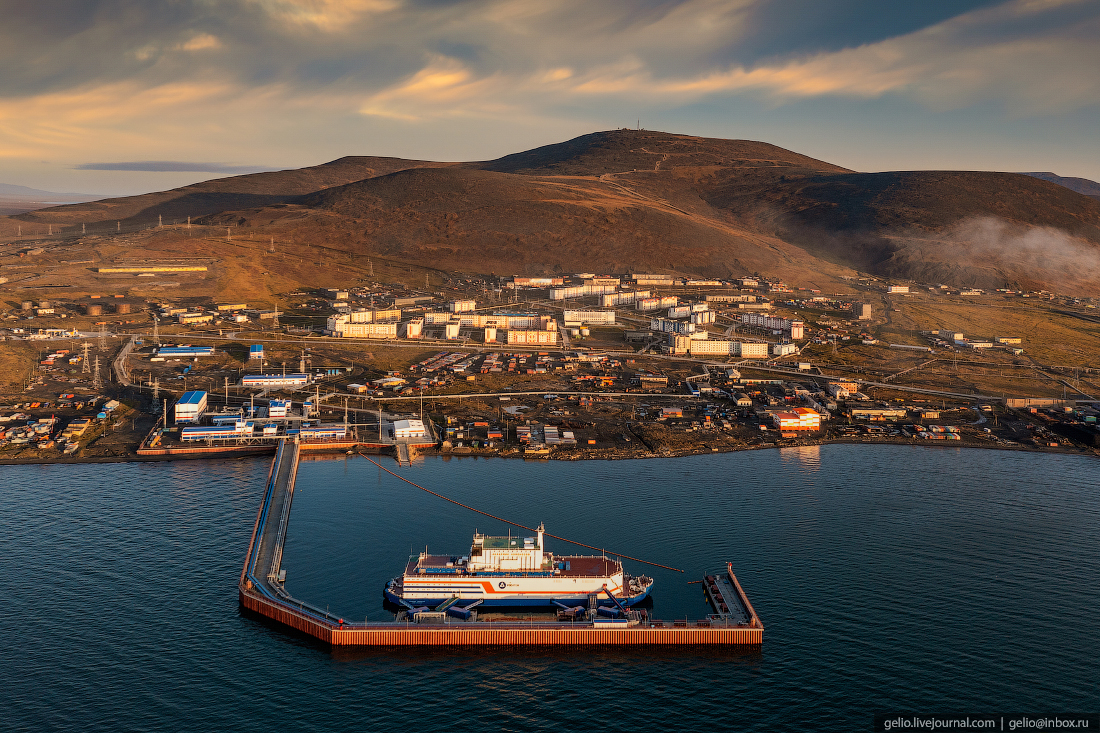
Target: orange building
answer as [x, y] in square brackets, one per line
[798, 418]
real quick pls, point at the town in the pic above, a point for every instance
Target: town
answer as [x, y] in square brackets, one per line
[561, 367]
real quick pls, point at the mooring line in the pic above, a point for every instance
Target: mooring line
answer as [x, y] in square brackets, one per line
[514, 524]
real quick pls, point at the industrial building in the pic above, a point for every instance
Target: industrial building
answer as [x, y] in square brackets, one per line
[536, 282]
[185, 351]
[784, 349]
[878, 413]
[235, 430]
[190, 407]
[409, 429]
[191, 319]
[272, 381]
[897, 288]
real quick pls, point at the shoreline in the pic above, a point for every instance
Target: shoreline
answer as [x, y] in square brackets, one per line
[586, 455]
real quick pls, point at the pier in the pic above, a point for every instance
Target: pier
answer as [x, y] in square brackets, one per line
[261, 590]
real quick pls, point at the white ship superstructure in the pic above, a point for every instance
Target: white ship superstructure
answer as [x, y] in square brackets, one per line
[514, 571]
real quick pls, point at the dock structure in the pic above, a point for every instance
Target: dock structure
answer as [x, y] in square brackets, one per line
[261, 590]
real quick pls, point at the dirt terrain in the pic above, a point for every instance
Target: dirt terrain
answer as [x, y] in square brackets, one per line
[609, 201]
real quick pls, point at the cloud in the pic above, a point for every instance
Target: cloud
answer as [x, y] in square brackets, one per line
[174, 166]
[200, 80]
[1034, 57]
[201, 42]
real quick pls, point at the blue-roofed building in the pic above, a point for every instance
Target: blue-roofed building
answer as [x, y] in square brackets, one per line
[191, 406]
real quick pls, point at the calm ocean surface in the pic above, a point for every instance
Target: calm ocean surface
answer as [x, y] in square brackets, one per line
[889, 579]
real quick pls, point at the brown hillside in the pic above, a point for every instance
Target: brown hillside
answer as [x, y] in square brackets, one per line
[642, 200]
[222, 194]
[620, 151]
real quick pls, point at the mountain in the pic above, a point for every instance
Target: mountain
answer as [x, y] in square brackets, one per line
[8, 189]
[224, 194]
[1080, 185]
[646, 201]
[19, 199]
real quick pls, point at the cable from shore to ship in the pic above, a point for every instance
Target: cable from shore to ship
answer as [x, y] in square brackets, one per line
[514, 524]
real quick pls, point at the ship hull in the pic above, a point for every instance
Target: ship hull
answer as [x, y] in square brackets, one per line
[512, 600]
[517, 592]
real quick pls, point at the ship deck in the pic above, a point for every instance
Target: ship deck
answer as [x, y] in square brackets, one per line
[580, 566]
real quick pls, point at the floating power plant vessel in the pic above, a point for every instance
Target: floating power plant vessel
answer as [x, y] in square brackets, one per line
[512, 572]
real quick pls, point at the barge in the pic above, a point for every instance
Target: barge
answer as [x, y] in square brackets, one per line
[514, 572]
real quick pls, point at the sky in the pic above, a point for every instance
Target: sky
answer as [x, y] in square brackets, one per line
[128, 96]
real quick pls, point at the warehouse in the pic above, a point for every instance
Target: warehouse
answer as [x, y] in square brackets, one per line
[404, 429]
[191, 406]
[185, 351]
[272, 381]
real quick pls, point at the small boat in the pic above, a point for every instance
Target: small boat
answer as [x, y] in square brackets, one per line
[515, 571]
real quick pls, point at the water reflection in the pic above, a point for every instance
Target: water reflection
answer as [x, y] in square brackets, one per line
[806, 457]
